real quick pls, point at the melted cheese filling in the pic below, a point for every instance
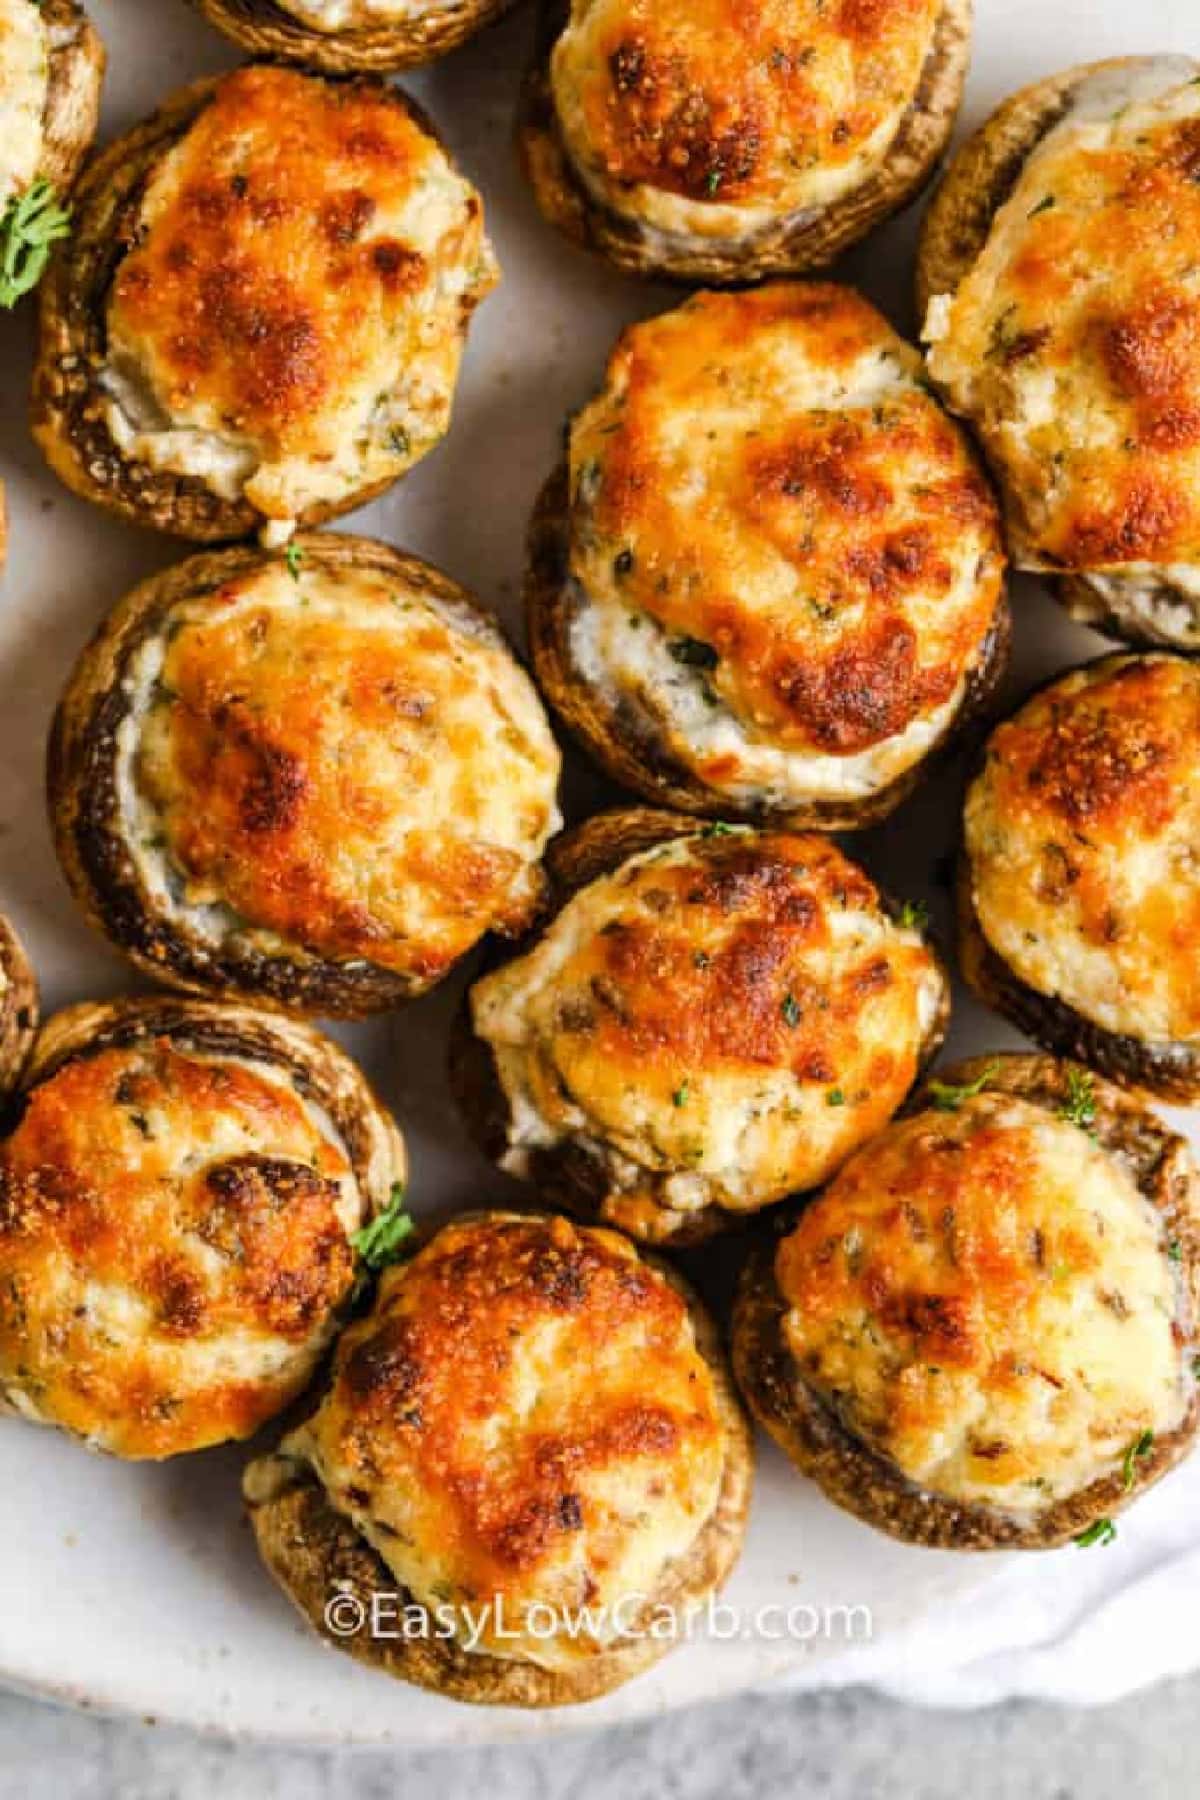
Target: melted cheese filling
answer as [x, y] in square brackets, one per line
[288, 328]
[24, 82]
[326, 764]
[788, 558]
[1083, 839]
[1072, 344]
[154, 1303]
[621, 1029]
[988, 1300]
[716, 119]
[351, 15]
[525, 1427]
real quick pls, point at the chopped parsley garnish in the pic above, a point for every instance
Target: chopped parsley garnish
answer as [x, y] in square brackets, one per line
[399, 440]
[680, 1096]
[948, 1097]
[1041, 207]
[719, 828]
[1136, 1453]
[29, 225]
[1102, 1532]
[713, 183]
[1174, 1251]
[790, 1010]
[293, 556]
[1079, 1107]
[913, 915]
[382, 1238]
[835, 1097]
[692, 653]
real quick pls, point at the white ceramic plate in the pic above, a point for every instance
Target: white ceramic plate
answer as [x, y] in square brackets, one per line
[137, 1587]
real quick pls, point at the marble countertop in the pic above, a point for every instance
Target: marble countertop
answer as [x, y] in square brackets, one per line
[852, 1746]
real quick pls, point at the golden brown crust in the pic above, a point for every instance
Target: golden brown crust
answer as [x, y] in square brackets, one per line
[954, 231]
[269, 30]
[571, 1174]
[807, 240]
[92, 841]
[314, 1552]
[18, 1008]
[981, 176]
[68, 404]
[158, 1304]
[867, 1483]
[73, 97]
[1106, 776]
[629, 745]
[320, 1068]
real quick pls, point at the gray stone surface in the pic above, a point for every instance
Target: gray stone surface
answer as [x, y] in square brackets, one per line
[841, 1747]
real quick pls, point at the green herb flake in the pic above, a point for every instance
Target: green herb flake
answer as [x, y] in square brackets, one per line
[913, 915]
[1136, 1453]
[1103, 1532]
[680, 1096]
[399, 440]
[790, 1010]
[382, 1238]
[293, 556]
[719, 828]
[29, 225]
[712, 185]
[835, 1097]
[948, 1097]
[1041, 207]
[1079, 1107]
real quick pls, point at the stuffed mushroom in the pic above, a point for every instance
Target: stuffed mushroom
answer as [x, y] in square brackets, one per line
[768, 581]
[345, 36]
[531, 1451]
[259, 319]
[983, 1334]
[1079, 892]
[180, 1196]
[51, 69]
[713, 1019]
[1056, 272]
[720, 142]
[18, 1007]
[315, 779]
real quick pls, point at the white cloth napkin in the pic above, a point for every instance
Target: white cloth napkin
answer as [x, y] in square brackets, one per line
[1078, 1626]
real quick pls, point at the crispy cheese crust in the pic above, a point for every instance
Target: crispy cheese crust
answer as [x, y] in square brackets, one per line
[176, 1204]
[703, 116]
[1080, 840]
[322, 780]
[527, 1422]
[982, 1334]
[782, 556]
[708, 1026]
[1071, 339]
